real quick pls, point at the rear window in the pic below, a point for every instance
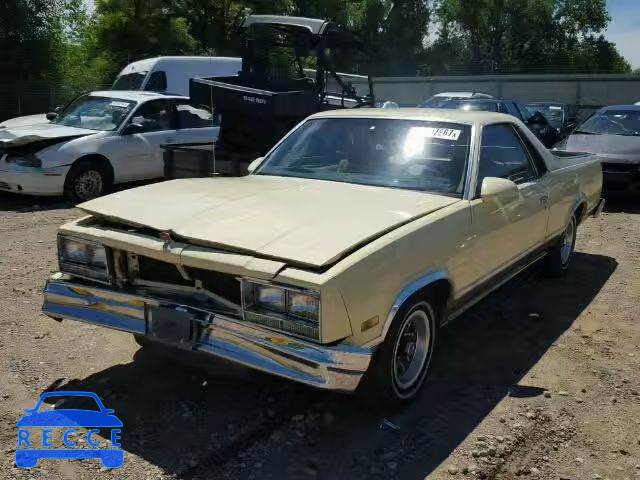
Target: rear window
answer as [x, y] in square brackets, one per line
[129, 81]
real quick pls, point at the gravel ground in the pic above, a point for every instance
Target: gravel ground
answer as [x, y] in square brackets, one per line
[540, 380]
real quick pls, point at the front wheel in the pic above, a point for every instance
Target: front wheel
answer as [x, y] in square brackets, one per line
[559, 255]
[399, 367]
[86, 180]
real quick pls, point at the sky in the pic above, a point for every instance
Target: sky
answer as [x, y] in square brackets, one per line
[624, 29]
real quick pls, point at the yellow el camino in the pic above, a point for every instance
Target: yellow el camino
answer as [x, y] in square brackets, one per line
[338, 258]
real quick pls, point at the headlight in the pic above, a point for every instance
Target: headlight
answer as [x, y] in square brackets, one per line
[83, 258]
[271, 298]
[286, 308]
[26, 161]
[303, 305]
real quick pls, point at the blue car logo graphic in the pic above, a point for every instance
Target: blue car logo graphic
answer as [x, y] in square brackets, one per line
[31, 448]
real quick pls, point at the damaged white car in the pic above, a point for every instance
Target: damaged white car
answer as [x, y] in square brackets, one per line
[100, 139]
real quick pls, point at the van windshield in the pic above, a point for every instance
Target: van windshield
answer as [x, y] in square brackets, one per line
[129, 81]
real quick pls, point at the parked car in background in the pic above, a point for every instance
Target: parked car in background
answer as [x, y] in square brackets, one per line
[563, 117]
[102, 138]
[536, 122]
[172, 74]
[158, 74]
[336, 261]
[614, 134]
[440, 98]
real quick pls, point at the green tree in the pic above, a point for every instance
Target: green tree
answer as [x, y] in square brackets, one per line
[28, 39]
[525, 36]
[128, 30]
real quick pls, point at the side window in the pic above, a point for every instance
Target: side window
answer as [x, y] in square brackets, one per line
[503, 155]
[534, 154]
[191, 116]
[154, 116]
[157, 82]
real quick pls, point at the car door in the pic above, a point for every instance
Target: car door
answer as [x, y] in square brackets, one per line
[195, 124]
[139, 152]
[507, 231]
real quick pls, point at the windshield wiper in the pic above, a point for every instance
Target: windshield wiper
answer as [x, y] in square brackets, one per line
[584, 132]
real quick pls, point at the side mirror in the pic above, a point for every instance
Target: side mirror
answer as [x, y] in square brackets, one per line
[499, 188]
[51, 116]
[253, 165]
[132, 129]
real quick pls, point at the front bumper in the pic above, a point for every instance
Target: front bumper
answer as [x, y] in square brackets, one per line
[32, 181]
[338, 367]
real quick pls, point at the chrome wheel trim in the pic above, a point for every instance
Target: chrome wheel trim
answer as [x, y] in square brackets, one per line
[88, 184]
[568, 238]
[411, 349]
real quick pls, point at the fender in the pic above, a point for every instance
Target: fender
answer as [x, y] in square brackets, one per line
[582, 199]
[406, 293]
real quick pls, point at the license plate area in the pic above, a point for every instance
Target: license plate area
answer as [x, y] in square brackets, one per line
[171, 325]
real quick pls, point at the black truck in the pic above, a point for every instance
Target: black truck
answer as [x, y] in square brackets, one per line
[289, 71]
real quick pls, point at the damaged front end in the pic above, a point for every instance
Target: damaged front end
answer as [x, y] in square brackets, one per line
[157, 288]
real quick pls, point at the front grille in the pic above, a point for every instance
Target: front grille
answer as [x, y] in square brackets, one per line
[224, 285]
[157, 271]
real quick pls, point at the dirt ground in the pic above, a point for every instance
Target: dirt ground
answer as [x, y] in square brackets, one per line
[540, 380]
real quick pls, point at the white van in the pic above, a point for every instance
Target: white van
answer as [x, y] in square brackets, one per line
[172, 74]
[159, 74]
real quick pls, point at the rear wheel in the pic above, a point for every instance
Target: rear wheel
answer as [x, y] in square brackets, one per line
[86, 180]
[559, 255]
[399, 366]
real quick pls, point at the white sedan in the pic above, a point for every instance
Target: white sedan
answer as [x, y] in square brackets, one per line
[100, 139]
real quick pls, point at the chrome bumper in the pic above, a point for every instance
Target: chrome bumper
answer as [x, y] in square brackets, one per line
[338, 367]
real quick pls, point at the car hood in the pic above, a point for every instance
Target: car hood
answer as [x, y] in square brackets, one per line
[25, 120]
[308, 222]
[69, 418]
[29, 139]
[613, 147]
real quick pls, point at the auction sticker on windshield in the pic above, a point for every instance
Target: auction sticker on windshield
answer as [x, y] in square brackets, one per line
[59, 433]
[440, 133]
[120, 104]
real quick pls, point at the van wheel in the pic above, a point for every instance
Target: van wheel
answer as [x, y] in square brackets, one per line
[86, 180]
[559, 255]
[399, 366]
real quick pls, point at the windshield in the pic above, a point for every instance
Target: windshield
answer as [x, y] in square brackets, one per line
[129, 81]
[612, 122]
[553, 113]
[409, 154]
[96, 113]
